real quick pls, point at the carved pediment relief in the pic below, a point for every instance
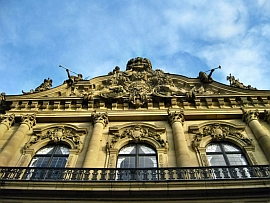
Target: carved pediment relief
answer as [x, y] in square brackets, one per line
[137, 133]
[219, 132]
[58, 134]
[138, 84]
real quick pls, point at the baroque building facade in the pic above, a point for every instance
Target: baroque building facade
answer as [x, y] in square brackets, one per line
[136, 135]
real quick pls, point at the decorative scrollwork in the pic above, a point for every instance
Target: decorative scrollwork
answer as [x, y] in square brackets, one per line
[219, 132]
[137, 133]
[56, 135]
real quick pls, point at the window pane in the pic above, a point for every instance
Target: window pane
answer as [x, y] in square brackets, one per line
[146, 150]
[39, 162]
[126, 162]
[237, 159]
[216, 160]
[62, 150]
[46, 150]
[58, 162]
[129, 149]
[231, 148]
[213, 147]
[147, 162]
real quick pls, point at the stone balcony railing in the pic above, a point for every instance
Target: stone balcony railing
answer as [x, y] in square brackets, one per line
[135, 174]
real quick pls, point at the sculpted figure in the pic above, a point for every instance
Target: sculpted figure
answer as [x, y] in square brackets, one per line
[73, 79]
[207, 78]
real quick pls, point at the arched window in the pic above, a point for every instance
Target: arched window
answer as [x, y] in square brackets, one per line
[51, 156]
[225, 154]
[137, 156]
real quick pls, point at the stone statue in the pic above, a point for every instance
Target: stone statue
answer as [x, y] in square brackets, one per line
[46, 85]
[207, 78]
[236, 83]
[73, 79]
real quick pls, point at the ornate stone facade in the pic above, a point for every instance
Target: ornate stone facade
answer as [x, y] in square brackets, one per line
[162, 120]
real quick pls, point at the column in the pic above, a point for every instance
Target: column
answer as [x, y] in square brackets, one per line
[176, 120]
[28, 121]
[251, 118]
[99, 120]
[6, 124]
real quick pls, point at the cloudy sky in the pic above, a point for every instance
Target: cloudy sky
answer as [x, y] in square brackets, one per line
[92, 37]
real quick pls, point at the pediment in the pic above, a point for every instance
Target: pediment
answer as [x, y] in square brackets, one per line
[139, 84]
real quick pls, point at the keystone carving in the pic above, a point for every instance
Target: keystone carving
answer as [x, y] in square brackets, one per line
[29, 119]
[137, 133]
[100, 118]
[8, 120]
[57, 135]
[219, 132]
[176, 117]
[250, 115]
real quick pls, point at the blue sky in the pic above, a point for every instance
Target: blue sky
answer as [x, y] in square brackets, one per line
[92, 37]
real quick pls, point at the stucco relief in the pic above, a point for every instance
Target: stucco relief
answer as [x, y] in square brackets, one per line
[56, 135]
[139, 83]
[138, 133]
[220, 132]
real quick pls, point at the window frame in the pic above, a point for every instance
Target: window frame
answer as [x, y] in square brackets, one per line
[225, 153]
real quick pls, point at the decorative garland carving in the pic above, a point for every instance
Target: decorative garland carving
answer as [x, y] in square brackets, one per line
[176, 116]
[137, 133]
[220, 132]
[57, 135]
[8, 120]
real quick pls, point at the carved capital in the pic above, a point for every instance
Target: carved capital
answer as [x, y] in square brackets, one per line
[100, 118]
[29, 119]
[250, 115]
[267, 116]
[8, 120]
[176, 117]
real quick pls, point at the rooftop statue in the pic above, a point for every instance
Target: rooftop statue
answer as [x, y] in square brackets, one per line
[236, 83]
[207, 78]
[46, 85]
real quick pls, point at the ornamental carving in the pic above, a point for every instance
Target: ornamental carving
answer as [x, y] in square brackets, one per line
[236, 83]
[100, 118]
[139, 83]
[219, 132]
[175, 117]
[29, 119]
[7, 119]
[56, 135]
[250, 115]
[46, 85]
[137, 133]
